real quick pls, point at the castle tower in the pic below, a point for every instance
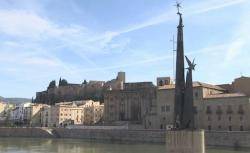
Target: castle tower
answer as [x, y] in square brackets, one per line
[121, 76]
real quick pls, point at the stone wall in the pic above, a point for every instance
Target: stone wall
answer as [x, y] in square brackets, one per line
[25, 132]
[152, 136]
[226, 139]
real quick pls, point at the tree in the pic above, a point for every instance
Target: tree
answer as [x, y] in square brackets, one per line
[63, 82]
[85, 82]
[52, 84]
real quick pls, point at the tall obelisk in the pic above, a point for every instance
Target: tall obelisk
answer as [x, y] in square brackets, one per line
[184, 138]
[180, 77]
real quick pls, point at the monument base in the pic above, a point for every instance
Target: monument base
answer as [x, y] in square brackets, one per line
[185, 141]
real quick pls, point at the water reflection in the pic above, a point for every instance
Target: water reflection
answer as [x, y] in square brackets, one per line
[28, 145]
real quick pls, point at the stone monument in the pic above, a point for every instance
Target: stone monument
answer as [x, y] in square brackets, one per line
[184, 138]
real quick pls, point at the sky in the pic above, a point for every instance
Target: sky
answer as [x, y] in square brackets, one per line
[43, 40]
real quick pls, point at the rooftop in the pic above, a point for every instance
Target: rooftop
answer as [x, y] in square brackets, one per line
[228, 95]
[195, 84]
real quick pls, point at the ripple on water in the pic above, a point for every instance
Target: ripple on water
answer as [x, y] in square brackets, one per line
[36, 145]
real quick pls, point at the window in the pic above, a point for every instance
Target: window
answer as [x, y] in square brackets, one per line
[111, 106]
[209, 111]
[241, 128]
[241, 110]
[167, 108]
[209, 128]
[208, 118]
[161, 83]
[219, 118]
[229, 109]
[166, 82]
[219, 110]
[241, 118]
[162, 108]
[229, 118]
[195, 110]
[219, 127]
[230, 128]
[196, 94]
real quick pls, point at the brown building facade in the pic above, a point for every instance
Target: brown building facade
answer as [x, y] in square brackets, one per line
[133, 103]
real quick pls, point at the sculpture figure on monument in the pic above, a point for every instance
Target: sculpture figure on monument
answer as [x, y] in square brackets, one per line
[188, 117]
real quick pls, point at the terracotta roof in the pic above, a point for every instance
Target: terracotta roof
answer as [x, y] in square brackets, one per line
[195, 84]
[228, 95]
[207, 85]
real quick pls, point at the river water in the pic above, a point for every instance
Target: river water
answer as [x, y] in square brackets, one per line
[30, 145]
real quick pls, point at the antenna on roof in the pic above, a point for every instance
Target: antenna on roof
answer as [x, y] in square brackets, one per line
[174, 50]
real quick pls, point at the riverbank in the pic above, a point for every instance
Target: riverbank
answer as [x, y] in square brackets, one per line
[213, 138]
[43, 145]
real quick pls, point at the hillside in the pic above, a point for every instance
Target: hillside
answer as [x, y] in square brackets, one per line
[15, 100]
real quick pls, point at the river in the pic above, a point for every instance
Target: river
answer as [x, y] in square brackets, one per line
[35, 145]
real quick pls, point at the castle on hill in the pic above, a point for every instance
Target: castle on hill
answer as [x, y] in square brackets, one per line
[65, 91]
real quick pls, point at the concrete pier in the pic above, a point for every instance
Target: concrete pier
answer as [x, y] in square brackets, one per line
[185, 141]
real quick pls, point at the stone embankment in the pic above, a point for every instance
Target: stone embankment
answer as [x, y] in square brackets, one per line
[213, 138]
[26, 132]
[150, 136]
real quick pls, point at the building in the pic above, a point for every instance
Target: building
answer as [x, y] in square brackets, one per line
[34, 114]
[72, 113]
[133, 103]
[46, 117]
[92, 112]
[216, 107]
[227, 112]
[3, 112]
[165, 104]
[3, 106]
[20, 114]
[61, 114]
[161, 81]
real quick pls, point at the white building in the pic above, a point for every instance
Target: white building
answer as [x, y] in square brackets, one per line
[20, 114]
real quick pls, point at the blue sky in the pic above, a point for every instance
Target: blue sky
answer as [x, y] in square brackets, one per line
[42, 40]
